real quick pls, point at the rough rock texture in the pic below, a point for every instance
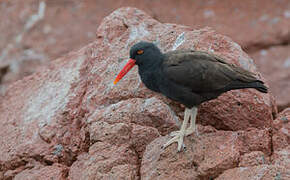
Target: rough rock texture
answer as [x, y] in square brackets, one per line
[253, 158]
[106, 161]
[256, 165]
[69, 116]
[56, 171]
[34, 32]
[263, 172]
[205, 157]
[41, 117]
[274, 63]
[281, 139]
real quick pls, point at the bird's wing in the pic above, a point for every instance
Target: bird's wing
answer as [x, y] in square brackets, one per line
[202, 72]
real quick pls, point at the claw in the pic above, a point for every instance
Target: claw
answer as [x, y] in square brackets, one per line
[183, 147]
[177, 138]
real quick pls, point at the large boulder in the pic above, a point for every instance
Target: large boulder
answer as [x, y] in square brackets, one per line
[234, 110]
[70, 117]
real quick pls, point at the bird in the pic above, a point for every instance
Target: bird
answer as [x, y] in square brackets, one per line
[189, 77]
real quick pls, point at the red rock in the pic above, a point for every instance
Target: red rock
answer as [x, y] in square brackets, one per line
[253, 158]
[205, 157]
[106, 161]
[254, 140]
[246, 22]
[274, 63]
[263, 172]
[129, 122]
[41, 117]
[37, 32]
[56, 171]
[281, 139]
[150, 112]
[281, 130]
[141, 136]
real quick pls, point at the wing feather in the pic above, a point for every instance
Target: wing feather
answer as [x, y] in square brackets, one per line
[202, 72]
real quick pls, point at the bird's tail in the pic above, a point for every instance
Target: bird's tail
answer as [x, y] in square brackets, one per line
[258, 85]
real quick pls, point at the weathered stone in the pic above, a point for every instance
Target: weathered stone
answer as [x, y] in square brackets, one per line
[106, 161]
[263, 172]
[41, 117]
[56, 171]
[274, 64]
[281, 130]
[281, 139]
[253, 158]
[205, 157]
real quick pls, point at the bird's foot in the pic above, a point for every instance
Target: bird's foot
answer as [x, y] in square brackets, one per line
[187, 132]
[178, 137]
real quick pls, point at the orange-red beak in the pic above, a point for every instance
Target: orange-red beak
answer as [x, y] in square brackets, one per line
[125, 70]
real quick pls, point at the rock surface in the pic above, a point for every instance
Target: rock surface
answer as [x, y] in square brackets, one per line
[106, 161]
[264, 172]
[281, 139]
[69, 118]
[205, 157]
[274, 63]
[56, 171]
[39, 31]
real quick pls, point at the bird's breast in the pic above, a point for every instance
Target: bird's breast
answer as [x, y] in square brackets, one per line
[150, 79]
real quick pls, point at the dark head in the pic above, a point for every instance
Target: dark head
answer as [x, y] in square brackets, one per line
[144, 54]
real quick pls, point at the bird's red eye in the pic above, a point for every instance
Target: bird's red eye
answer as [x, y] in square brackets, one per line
[139, 52]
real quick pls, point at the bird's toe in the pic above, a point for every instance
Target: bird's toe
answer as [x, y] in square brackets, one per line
[174, 133]
[178, 137]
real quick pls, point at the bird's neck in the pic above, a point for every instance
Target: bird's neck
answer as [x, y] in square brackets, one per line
[149, 74]
[152, 64]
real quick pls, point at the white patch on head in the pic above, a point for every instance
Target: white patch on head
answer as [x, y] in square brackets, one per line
[52, 96]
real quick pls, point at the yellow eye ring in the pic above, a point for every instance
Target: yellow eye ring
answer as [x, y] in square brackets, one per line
[139, 52]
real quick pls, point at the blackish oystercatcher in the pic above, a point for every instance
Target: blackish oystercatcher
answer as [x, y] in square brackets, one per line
[189, 77]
